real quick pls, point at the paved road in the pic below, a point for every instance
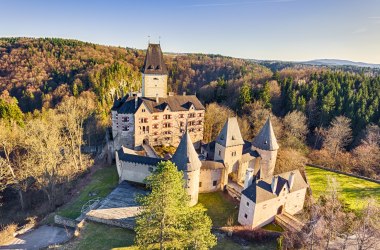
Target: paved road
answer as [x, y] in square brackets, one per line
[39, 238]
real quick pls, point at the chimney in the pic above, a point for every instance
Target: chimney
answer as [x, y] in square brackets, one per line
[136, 102]
[274, 184]
[248, 178]
[184, 93]
[291, 180]
[156, 98]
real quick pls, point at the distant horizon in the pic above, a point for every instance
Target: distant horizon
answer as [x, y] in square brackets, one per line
[283, 30]
[206, 53]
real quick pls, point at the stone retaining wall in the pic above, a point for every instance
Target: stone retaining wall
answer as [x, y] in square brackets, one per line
[60, 220]
[341, 172]
[117, 223]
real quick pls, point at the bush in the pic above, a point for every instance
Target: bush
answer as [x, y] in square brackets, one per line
[6, 233]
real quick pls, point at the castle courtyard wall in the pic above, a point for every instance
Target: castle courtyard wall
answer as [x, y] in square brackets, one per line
[207, 178]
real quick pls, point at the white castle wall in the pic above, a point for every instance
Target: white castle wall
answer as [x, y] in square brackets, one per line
[154, 85]
[207, 178]
[192, 185]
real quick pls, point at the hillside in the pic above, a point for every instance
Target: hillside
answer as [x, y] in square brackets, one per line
[39, 72]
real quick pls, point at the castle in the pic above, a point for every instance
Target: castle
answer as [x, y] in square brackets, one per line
[229, 162]
[154, 116]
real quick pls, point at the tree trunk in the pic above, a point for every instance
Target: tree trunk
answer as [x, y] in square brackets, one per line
[21, 199]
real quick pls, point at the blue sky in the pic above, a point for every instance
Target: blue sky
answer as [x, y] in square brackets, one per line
[260, 29]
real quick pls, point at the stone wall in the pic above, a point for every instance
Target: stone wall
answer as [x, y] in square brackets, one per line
[263, 213]
[63, 221]
[207, 177]
[154, 84]
[134, 172]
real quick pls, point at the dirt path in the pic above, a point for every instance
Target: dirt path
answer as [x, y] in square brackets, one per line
[40, 238]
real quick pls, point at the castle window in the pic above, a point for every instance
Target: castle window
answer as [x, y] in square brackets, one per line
[245, 216]
[200, 114]
[247, 204]
[126, 128]
[155, 78]
[126, 119]
[181, 116]
[220, 152]
[155, 117]
[214, 183]
[142, 110]
[191, 115]
[233, 153]
[167, 116]
[200, 184]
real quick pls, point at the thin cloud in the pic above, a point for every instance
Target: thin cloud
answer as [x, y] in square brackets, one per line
[359, 31]
[238, 3]
[374, 17]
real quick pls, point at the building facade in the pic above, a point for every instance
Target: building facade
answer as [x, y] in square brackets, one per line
[155, 116]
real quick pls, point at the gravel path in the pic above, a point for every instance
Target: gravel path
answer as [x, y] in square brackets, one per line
[40, 237]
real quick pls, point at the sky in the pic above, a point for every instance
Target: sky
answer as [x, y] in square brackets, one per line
[289, 30]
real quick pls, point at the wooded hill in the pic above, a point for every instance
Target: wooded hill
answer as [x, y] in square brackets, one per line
[39, 72]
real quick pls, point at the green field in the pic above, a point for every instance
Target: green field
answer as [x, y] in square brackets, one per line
[103, 237]
[353, 191]
[103, 181]
[219, 207]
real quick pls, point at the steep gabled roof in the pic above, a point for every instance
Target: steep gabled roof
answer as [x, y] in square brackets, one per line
[185, 157]
[266, 140]
[260, 190]
[230, 134]
[126, 105]
[154, 61]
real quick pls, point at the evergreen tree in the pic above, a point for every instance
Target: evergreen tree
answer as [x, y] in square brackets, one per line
[166, 221]
[265, 95]
[245, 95]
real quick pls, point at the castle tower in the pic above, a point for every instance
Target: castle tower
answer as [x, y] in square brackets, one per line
[154, 73]
[186, 159]
[229, 146]
[265, 144]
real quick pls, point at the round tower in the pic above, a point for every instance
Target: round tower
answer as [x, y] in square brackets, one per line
[186, 159]
[265, 144]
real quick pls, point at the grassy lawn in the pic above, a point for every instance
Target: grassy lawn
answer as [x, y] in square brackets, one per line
[103, 181]
[273, 227]
[219, 208]
[353, 190]
[100, 236]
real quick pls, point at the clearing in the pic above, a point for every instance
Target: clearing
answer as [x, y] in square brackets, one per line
[353, 191]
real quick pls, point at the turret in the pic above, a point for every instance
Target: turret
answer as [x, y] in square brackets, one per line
[154, 73]
[186, 159]
[265, 144]
[229, 144]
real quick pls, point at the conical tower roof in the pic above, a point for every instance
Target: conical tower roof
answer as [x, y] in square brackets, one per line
[154, 60]
[266, 140]
[230, 134]
[185, 157]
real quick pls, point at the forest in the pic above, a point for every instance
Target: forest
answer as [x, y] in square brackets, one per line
[323, 115]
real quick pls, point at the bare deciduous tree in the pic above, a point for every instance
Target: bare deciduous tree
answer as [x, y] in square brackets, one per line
[338, 135]
[367, 228]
